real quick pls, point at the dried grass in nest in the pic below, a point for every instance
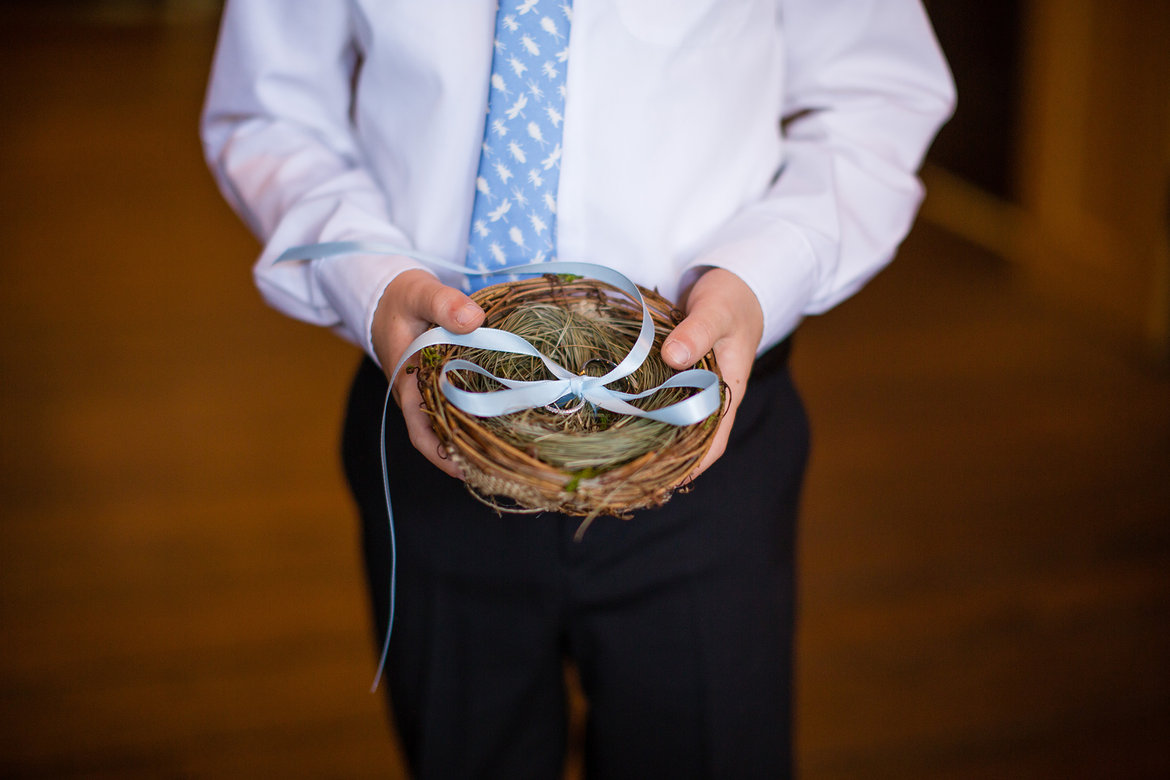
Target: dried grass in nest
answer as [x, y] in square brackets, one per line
[586, 463]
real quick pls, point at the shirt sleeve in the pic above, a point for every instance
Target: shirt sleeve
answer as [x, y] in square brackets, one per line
[277, 136]
[867, 89]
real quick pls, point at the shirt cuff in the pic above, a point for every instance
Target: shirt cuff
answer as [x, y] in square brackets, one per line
[775, 259]
[353, 285]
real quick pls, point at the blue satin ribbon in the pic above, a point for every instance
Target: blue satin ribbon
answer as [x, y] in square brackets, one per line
[519, 395]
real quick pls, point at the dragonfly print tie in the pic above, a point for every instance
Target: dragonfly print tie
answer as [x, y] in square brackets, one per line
[513, 218]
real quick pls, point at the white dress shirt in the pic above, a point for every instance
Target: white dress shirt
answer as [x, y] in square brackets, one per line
[332, 120]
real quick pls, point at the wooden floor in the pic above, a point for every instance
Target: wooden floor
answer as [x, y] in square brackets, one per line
[985, 549]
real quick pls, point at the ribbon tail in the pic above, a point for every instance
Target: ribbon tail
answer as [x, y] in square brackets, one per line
[393, 550]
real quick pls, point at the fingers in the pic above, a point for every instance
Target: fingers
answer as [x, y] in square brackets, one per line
[719, 306]
[447, 307]
[409, 305]
[418, 427]
[723, 315]
[693, 337]
[735, 370]
[719, 443]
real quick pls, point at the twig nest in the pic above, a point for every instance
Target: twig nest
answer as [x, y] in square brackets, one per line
[569, 457]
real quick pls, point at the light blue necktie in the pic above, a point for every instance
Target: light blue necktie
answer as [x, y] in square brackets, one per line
[513, 219]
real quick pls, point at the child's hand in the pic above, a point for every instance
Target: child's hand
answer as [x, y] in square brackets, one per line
[722, 313]
[410, 305]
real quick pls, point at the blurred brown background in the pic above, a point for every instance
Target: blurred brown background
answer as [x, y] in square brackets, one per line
[985, 550]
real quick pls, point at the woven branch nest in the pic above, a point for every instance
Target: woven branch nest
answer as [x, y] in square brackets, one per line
[584, 462]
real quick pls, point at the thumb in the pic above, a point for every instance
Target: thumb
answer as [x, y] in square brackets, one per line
[447, 307]
[691, 339]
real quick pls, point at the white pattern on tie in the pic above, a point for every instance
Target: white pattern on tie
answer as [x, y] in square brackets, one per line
[526, 103]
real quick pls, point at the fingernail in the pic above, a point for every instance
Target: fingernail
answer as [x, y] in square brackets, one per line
[676, 353]
[467, 313]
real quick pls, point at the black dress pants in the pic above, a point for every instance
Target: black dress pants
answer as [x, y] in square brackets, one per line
[680, 620]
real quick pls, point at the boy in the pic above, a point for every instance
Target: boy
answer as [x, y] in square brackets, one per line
[365, 121]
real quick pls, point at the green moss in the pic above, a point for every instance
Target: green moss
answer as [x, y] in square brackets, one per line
[575, 482]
